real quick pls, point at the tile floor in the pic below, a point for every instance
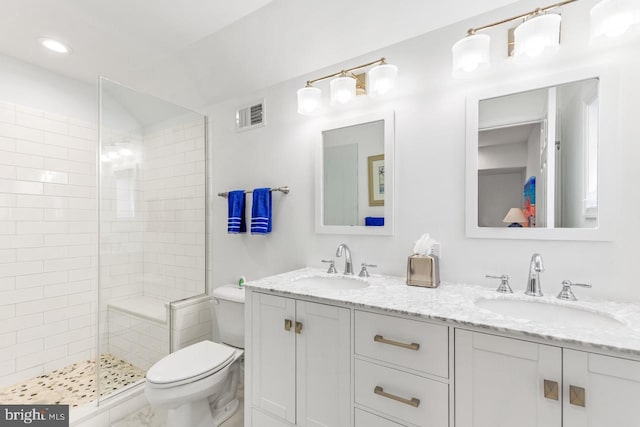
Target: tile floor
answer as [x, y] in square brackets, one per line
[73, 385]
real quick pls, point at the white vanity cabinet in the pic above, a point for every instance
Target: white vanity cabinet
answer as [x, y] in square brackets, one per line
[600, 391]
[500, 382]
[504, 382]
[300, 356]
[401, 369]
[318, 362]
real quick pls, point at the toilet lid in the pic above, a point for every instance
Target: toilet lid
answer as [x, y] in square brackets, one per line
[193, 361]
[232, 293]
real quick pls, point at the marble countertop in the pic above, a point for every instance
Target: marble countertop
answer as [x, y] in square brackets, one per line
[456, 304]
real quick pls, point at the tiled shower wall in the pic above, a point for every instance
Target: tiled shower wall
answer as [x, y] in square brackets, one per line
[48, 236]
[173, 182]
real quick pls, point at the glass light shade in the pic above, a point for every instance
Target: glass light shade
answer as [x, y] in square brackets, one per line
[309, 100]
[537, 36]
[382, 80]
[613, 18]
[471, 54]
[343, 90]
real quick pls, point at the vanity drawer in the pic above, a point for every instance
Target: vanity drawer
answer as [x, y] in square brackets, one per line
[365, 419]
[402, 395]
[403, 342]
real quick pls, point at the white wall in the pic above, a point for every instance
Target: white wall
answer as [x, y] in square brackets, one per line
[497, 193]
[430, 156]
[26, 84]
[502, 156]
[572, 101]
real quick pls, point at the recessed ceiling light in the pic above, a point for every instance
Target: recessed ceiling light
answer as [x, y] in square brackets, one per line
[54, 45]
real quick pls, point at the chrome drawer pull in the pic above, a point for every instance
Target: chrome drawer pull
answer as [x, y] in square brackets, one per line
[380, 392]
[383, 340]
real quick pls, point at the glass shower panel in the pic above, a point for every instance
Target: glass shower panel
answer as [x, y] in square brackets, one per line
[152, 230]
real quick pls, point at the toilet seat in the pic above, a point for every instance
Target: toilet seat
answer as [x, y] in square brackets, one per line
[190, 364]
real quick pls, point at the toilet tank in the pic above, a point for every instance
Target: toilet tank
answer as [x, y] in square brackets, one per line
[228, 306]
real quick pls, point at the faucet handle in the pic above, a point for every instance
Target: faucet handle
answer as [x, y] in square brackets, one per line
[364, 272]
[504, 287]
[566, 293]
[332, 265]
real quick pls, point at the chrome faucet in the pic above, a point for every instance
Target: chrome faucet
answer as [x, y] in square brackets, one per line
[533, 284]
[348, 265]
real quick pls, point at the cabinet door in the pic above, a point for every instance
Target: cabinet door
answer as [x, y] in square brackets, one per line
[600, 391]
[323, 362]
[500, 382]
[274, 364]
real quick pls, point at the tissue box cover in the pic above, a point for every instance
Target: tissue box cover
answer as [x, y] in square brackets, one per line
[423, 270]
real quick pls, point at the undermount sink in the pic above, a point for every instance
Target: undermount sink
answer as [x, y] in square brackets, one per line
[560, 315]
[336, 282]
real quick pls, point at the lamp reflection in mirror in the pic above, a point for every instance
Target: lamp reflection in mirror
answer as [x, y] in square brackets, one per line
[613, 18]
[343, 90]
[309, 100]
[537, 36]
[515, 218]
[471, 54]
[383, 79]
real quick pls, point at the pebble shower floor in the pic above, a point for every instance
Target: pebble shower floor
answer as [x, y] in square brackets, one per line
[73, 385]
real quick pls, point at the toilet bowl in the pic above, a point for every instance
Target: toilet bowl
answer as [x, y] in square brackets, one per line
[198, 384]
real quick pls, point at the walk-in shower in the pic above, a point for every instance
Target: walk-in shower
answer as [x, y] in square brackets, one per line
[106, 241]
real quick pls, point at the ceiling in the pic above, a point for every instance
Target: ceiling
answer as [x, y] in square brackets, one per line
[197, 52]
[516, 134]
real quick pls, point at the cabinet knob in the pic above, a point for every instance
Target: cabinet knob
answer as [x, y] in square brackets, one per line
[298, 327]
[551, 390]
[287, 324]
[577, 395]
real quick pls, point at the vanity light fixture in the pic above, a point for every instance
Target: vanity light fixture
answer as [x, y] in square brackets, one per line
[347, 85]
[613, 18]
[539, 33]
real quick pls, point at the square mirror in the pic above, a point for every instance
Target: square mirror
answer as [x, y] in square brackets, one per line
[535, 160]
[354, 176]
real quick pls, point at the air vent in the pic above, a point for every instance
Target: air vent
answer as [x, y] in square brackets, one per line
[250, 116]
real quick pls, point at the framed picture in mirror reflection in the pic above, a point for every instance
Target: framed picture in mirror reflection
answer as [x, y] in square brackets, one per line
[376, 180]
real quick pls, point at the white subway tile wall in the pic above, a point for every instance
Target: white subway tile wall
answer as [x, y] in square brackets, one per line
[192, 324]
[173, 180]
[143, 341]
[152, 239]
[152, 232]
[48, 241]
[139, 341]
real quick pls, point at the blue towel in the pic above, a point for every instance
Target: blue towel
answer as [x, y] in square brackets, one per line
[374, 221]
[237, 221]
[261, 211]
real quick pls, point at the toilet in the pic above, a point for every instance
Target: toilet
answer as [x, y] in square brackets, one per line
[198, 384]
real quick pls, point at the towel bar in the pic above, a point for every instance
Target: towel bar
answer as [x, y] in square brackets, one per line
[284, 190]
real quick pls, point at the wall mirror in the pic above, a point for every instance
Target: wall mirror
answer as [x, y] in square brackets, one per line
[354, 176]
[535, 160]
